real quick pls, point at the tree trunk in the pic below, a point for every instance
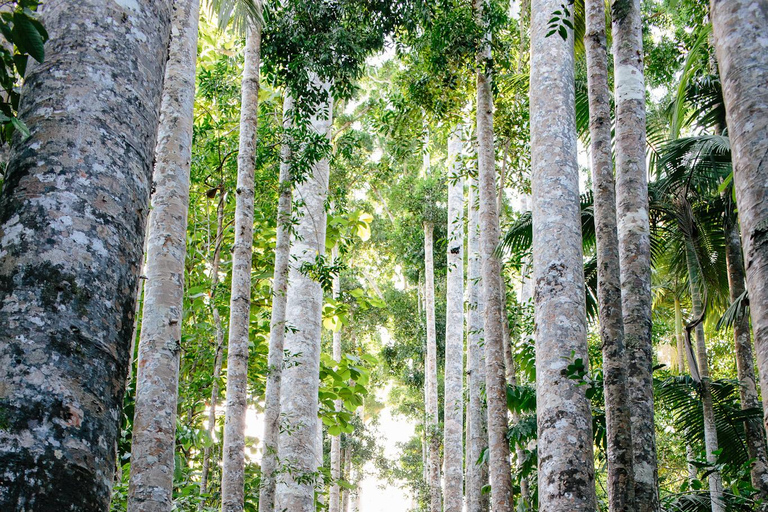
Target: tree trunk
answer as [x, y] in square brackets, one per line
[72, 218]
[681, 355]
[157, 378]
[432, 422]
[635, 243]
[277, 324]
[739, 28]
[345, 493]
[233, 466]
[454, 333]
[477, 431]
[298, 397]
[617, 416]
[333, 495]
[566, 471]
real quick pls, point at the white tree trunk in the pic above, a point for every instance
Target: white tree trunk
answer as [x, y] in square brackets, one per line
[233, 470]
[333, 495]
[566, 470]
[157, 378]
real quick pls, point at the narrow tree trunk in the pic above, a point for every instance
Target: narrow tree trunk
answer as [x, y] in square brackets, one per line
[72, 216]
[681, 355]
[477, 431]
[566, 471]
[454, 334]
[739, 28]
[345, 493]
[617, 416]
[432, 423]
[277, 324]
[298, 396]
[233, 470]
[635, 243]
[157, 378]
[336, 459]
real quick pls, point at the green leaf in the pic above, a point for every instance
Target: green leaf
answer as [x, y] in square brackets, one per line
[27, 38]
[20, 126]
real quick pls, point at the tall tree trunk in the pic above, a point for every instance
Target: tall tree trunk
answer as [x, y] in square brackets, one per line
[739, 28]
[157, 378]
[432, 421]
[233, 467]
[333, 495]
[681, 355]
[72, 218]
[617, 416]
[454, 334]
[635, 243]
[710, 429]
[277, 324]
[477, 431]
[566, 471]
[298, 397]
[745, 367]
[346, 475]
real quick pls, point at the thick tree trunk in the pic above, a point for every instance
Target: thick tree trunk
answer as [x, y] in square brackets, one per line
[454, 334]
[333, 494]
[72, 218]
[617, 416]
[298, 395]
[635, 243]
[477, 431]
[739, 28]
[233, 464]
[277, 324]
[566, 471]
[157, 378]
[432, 419]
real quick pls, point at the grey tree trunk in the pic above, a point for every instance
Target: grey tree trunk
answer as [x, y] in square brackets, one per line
[739, 27]
[336, 459]
[277, 326]
[345, 475]
[432, 419]
[72, 218]
[157, 379]
[617, 416]
[566, 471]
[233, 459]
[681, 357]
[635, 243]
[298, 395]
[477, 431]
[454, 334]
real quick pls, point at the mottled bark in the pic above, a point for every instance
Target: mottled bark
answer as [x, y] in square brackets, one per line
[72, 218]
[477, 431]
[277, 326]
[739, 27]
[566, 471]
[454, 334]
[620, 485]
[157, 377]
[233, 459]
[333, 494]
[635, 243]
[298, 395]
[681, 357]
[432, 420]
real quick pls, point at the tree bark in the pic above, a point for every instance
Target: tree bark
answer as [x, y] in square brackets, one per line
[336, 459]
[277, 325]
[233, 464]
[634, 243]
[298, 395]
[454, 334]
[157, 378]
[620, 487]
[739, 28]
[566, 471]
[72, 219]
[345, 474]
[681, 357]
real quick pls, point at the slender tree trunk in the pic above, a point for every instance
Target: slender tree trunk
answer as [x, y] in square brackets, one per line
[277, 324]
[681, 355]
[710, 429]
[618, 427]
[454, 334]
[635, 243]
[566, 471]
[477, 431]
[298, 396]
[345, 493]
[432, 425]
[157, 378]
[739, 28]
[72, 217]
[336, 459]
[233, 470]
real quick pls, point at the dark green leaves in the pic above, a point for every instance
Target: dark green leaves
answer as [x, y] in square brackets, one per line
[560, 21]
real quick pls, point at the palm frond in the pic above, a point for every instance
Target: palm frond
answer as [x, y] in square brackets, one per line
[240, 13]
[735, 312]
